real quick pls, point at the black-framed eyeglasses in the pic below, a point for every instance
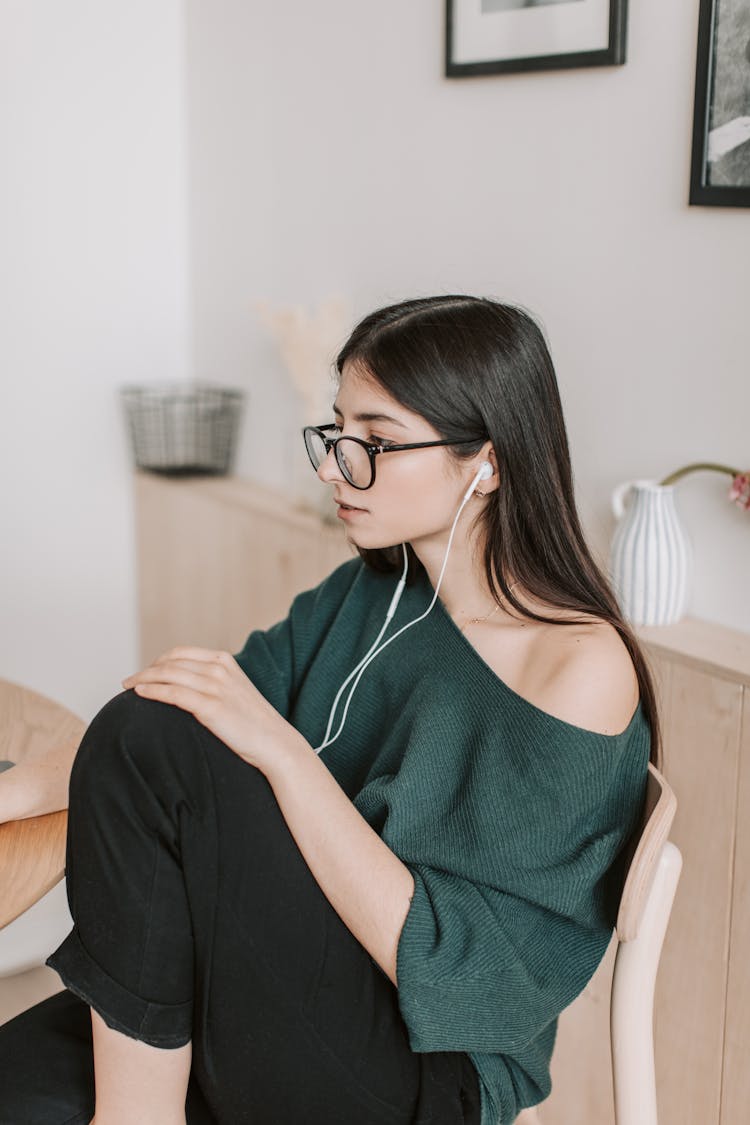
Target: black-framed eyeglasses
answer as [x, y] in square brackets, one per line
[355, 457]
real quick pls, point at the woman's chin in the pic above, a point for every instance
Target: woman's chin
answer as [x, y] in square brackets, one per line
[364, 540]
[357, 539]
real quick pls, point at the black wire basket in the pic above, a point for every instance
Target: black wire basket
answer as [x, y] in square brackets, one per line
[183, 429]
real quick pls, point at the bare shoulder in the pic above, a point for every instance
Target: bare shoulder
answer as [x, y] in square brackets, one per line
[585, 675]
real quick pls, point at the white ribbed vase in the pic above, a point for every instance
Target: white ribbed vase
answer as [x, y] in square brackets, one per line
[651, 558]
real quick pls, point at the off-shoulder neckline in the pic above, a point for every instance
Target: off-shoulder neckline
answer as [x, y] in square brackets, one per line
[451, 629]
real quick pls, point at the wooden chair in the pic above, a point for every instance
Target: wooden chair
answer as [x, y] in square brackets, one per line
[645, 906]
[32, 850]
[642, 921]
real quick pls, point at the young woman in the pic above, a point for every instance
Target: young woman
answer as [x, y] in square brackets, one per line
[355, 872]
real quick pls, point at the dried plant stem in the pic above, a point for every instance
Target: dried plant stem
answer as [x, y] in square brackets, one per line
[695, 466]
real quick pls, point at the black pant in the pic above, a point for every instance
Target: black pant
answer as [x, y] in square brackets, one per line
[196, 917]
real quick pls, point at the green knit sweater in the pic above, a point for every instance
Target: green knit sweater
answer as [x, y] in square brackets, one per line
[511, 821]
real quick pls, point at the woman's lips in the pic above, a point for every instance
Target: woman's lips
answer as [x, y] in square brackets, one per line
[346, 512]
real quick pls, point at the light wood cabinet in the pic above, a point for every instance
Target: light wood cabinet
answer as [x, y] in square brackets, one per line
[735, 1105]
[219, 557]
[701, 1020]
[702, 1016]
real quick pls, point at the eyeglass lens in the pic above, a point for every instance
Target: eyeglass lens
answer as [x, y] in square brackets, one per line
[353, 459]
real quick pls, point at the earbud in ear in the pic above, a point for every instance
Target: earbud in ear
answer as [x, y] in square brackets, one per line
[484, 473]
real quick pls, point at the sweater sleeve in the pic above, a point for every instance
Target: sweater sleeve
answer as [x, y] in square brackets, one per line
[277, 659]
[506, 933]
[502, 967]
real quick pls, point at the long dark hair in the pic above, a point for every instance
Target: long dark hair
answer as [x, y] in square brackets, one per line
[473, 367]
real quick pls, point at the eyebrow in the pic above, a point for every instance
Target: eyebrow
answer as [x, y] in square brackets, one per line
[368, 416]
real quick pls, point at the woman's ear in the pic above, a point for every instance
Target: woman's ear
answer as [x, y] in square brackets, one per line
[493, 482]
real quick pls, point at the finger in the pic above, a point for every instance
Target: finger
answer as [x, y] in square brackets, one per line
[176, 694]
[195, 678]
[164, 668]
[192, 652]
[201, 667]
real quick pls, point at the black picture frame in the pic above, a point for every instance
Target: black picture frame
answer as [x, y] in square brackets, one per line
[613, 54]
[729, 184]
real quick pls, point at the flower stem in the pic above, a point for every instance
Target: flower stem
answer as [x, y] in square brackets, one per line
[694, 467]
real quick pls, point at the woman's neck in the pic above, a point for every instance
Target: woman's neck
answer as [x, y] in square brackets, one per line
[464, 591]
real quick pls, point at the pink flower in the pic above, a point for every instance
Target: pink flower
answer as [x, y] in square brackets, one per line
[740, 490]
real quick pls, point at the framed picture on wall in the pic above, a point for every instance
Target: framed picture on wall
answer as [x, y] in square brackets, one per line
[500, 36]
[720, 167]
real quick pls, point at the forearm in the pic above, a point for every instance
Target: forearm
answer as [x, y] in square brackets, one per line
[365, 882]
[37, 786]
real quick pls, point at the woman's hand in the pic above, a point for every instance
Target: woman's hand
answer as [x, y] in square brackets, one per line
[38, 784]
[212, 686]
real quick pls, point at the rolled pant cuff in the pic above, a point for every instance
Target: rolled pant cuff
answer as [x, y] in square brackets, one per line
[159, 1025]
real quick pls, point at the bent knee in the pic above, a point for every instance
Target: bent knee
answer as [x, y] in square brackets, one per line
[131, 730]
[132, 712]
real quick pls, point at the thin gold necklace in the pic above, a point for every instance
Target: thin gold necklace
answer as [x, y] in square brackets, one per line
[486, 617]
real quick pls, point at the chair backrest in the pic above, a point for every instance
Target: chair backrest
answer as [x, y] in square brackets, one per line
[653, 870]
[659, 808]
[645, 907]
[32, 851]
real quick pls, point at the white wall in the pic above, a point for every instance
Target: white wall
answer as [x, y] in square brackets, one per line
[93, 294]
[328, 154]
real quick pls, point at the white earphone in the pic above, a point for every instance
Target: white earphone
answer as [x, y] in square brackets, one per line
[484, 473]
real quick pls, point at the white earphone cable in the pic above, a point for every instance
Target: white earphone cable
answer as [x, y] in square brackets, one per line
[391, 610]
[370, 655]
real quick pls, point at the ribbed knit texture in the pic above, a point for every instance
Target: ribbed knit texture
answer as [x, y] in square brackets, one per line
[511, 821]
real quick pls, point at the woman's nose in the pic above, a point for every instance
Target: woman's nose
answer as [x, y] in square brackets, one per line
[328, 469]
